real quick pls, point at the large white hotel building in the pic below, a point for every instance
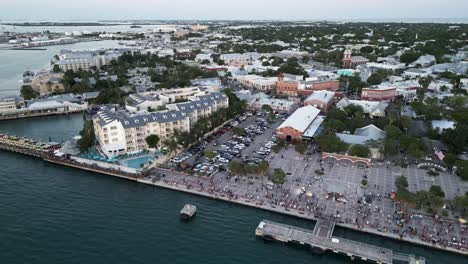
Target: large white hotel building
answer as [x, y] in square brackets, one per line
[119, 132]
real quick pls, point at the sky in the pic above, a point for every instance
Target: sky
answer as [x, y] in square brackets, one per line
[53, 10]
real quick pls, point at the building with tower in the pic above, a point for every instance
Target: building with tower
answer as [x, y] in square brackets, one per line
[351, 62]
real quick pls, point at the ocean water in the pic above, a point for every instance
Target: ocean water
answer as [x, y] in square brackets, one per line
[53, 214]
[14, 62]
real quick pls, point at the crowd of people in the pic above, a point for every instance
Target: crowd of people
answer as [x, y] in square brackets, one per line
[362, 210]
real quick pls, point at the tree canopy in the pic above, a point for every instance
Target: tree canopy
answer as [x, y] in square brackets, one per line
[152, 141]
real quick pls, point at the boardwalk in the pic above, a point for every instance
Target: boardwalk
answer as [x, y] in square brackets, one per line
[323, 242]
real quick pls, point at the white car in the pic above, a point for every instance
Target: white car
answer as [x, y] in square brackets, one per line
[223, 160]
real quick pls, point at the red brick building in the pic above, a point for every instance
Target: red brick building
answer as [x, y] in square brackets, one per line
[286, 87]
[351, 62]
[378, 94]
[307, 88]
[294, 128]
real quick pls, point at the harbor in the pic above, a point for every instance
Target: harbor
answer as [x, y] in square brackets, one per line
[323, 228]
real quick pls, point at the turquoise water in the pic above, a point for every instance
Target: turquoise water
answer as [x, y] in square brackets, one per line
[52, 214]
[137, 162]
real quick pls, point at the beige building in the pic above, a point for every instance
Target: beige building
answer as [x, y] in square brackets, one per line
[48, 83]
[85, 62]
[120, 133]
[199, 27]
[10, 104]
[256, 82]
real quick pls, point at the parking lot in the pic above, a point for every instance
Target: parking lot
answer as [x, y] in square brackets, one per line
[334, 190]
[252, 145]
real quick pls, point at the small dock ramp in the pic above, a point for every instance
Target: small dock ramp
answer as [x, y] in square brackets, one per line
[324, 227]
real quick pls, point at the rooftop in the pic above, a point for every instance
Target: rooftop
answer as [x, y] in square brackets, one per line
[301, 119]
[325, 96]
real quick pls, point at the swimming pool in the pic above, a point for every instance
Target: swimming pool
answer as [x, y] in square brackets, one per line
[137, 162]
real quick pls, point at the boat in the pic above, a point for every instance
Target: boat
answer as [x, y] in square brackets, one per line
[188, 212]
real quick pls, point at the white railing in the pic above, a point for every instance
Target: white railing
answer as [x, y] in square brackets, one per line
[105, 165]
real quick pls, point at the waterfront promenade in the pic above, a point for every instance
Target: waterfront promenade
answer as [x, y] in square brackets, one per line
[194, 188]
[207, 188]
[36, 113]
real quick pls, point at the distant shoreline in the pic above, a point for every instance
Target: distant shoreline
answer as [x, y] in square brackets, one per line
[59, 24]
[251, 21]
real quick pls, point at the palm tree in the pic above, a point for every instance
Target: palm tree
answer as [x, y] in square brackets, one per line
[185, 138]
[171, 145]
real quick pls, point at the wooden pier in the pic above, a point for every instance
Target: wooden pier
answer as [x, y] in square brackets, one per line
[321, 240]
[45, 151]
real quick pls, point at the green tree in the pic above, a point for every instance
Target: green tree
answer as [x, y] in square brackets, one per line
[425, 82]
[375, 79]
[236, 167]
[401, 183]
[278, 176]
[56, 68]
[437, 191]
[367, 49]
[390, 147]
[152, 141]
[364, 182]
[88, 138]
[409, 57]
[267, 108]
[331, 143]
[359, 151]
[460, 204]
[462, 169]
[209, 154]
[171, 145]
[238, 131]
[393, 132]
[186, 138]
[301, 148]
[450, 159]
[27, 92]
[263, 167]
[333, 125]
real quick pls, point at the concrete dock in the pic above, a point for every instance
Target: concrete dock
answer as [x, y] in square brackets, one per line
[320, 240]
